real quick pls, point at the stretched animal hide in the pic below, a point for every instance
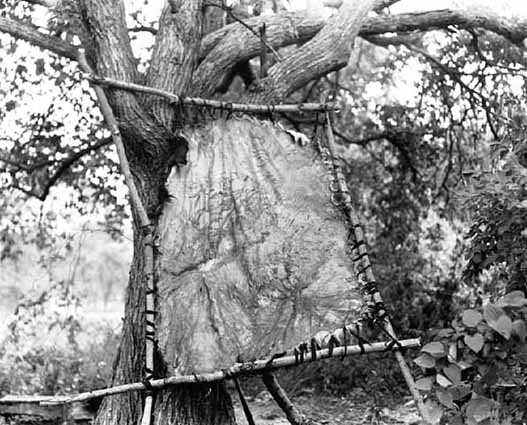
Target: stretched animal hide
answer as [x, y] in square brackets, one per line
[254, 256]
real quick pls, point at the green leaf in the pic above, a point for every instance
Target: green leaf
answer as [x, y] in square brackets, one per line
[433, 412]
[426, 361]
[424, 384]
[443, 381]
[460, 392]
[39, 65]
[471, 318]
[445, 398]
[512, 299]
[453, 372]
[498, 320]
[491, 313]
[519, 329]
[445, 333]
[452, 352]
[480, 408]
[457, 419]
[490, 377]
[435, 349]
[503, 326]
[474, 342]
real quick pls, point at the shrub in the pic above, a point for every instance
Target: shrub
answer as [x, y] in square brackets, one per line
[475, 372]
[44, 352]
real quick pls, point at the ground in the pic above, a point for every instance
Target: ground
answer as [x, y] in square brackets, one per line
[356, 409]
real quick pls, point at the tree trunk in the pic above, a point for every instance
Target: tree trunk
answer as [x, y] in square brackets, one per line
[193, 404]
[250, 241]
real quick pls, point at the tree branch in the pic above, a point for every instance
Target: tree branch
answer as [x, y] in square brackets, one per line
[379, 5]
[223, 48]
[240, 369]
[111, 55]
[46, 3]
[147, 230]
[68, 162]
[63, 167]
[174, 55]
[328, 51]
[474, 94]
[31, 34]
[514, 30]
[210, 103]
[294, 416]
[143, 28]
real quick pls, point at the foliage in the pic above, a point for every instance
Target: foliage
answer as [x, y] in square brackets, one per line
[476, 369]
[498, 202]
[49, 352]
[53, 136]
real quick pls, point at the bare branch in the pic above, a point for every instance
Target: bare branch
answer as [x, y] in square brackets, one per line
[328, 51]
[175, 54]
[256, 34]
[233, 44]
[147, 229]
[223, 48]
[294, 416]
[383, 4]
[240, 369]
[380, 4]
[18, 165]
[63, 166]
[209, 103]
[324, 53]
[143, 28]
[514, 30]
[32, 35]
[46, 3]
[66, 164]
[110, 54]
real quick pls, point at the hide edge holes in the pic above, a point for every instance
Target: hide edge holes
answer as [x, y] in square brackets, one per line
[177, 158]
[178, 154]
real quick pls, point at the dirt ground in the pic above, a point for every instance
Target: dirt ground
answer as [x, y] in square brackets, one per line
[353, 410]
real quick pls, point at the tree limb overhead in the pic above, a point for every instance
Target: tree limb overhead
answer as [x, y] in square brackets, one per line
[327, 51]
[174, 54]
[111, 56]
[231, 44]
[32, 35]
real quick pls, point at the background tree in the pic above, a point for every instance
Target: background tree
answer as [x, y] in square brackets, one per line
[412, 147]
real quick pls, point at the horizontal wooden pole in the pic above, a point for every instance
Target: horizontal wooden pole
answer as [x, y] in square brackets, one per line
[239, 369]
[210, 103]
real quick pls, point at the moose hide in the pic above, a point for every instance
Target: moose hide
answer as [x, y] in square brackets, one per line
[253, 253]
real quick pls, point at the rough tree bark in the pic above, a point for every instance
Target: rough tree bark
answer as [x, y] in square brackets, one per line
[148, 141]
[174, 58]
[148, 125]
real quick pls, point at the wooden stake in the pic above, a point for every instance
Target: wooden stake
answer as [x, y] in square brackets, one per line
[146, 227]
[293, 415]
[360, 252]
[264, 63]
[240, 369]
[208, 103]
